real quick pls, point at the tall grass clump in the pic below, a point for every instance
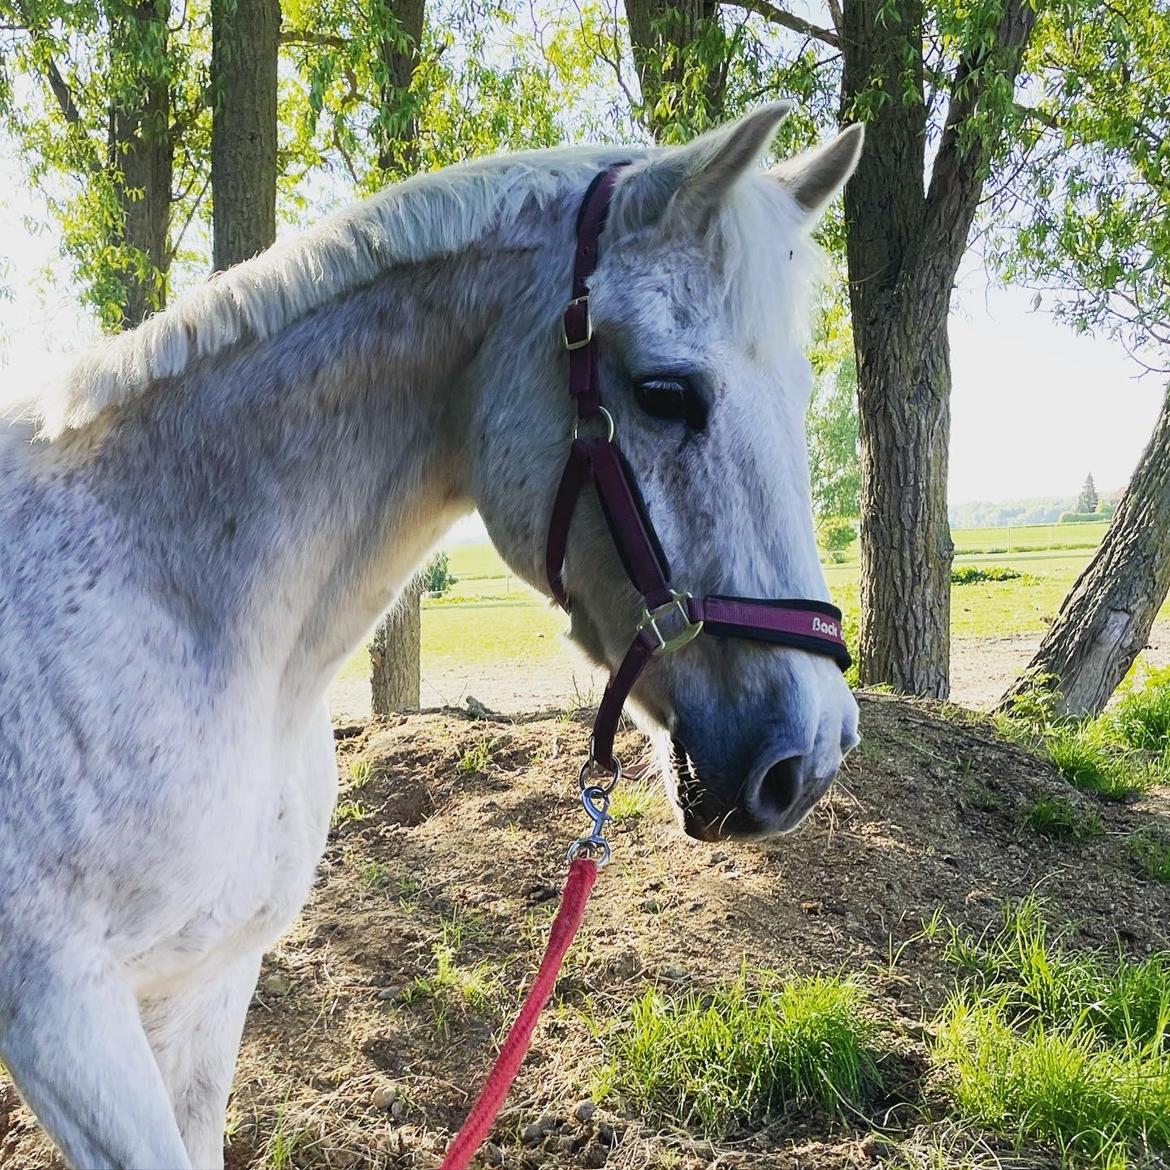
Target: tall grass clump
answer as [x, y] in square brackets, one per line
[1141, 718]
[1115, 755]
[1063, 1046]
[741, 1053]
[1090, 760]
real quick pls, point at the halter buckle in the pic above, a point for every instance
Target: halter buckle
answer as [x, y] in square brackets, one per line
[579, 321]
[676, 605]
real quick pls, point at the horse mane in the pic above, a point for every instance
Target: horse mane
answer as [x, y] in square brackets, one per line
[426, 217]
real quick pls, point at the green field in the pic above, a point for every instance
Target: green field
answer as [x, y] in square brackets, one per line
[1028, 538]
[490, 616]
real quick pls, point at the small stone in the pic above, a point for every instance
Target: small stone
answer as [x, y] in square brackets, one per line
[533, 1134]
[384, 1096]
[398, 1110]
[277, 984]
[627, 964]
[548, 1123]
[594, 1155]
[607, 1135]
[651, 905]
[584, 1112]
[390, 993]
[674, 974]
[565, 1144]
[493, 1155]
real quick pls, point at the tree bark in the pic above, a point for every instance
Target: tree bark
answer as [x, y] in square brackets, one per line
[663, 35]
[396, 128]
[245, 35]
[903, 246]
[1105, 620]
[141, 157]
[395, 665]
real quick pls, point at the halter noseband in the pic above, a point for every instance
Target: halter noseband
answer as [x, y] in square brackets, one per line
[670, 619]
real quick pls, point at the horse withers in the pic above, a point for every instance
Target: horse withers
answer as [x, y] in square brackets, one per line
[214, 508]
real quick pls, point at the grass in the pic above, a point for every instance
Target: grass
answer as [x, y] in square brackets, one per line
[1045, 1042]
[1124, 751]
[451, 982]
[349, 812]
[1061, 820]
[972, 574]
[631, 802]
[1151, 851]
[492, 619]
[478, 758]
[1089, 760]
[1141, 718]
[359, 773]
[743, 1052]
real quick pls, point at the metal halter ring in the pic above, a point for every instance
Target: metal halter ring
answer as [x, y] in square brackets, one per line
[587, 769]
[608, 422]
[677, 605]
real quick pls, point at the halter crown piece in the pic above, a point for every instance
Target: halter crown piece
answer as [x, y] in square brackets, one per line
[670, 618]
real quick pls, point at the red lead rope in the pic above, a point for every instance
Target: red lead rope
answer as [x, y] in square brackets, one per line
[582, 876]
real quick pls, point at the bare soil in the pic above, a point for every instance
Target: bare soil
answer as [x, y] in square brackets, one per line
[357, 1056]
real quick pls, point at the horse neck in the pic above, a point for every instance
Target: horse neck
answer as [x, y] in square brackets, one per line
[277, 499]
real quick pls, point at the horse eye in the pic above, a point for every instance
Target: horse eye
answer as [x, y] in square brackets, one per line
[671, 397]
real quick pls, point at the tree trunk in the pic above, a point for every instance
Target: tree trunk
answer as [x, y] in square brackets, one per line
[1106, 618]
[141, 157]
[669, 39]
[904, 244]
[396, 127]
[395, 669]
[904, 383]
[245, 36]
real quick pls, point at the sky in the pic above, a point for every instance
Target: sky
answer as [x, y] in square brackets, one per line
[1035, 407]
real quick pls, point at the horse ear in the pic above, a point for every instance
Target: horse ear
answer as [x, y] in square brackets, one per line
[814, 177]
[685, 185]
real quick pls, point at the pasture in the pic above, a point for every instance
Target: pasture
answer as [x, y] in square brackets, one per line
[493, 637]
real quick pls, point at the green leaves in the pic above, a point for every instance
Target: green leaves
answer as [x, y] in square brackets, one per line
[1090, 199]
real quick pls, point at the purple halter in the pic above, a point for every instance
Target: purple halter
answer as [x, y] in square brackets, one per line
[670, 619]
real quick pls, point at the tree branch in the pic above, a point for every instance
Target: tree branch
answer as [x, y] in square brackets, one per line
[62, 93]
[778, 16]
[318, 40]
[957, 179]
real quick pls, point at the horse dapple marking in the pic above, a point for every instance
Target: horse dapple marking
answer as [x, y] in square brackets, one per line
[218, 505]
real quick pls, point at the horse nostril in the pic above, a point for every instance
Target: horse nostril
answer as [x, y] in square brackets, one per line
[779, 788]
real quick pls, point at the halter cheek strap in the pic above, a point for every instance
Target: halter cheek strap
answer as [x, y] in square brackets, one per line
[670, 619]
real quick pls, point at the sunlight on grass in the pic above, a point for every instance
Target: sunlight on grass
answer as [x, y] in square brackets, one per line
[478, 758]
[1048, 1043]
[740, 1053]
[450, 981]
[1142, 715]
[631, 802]
[1087, 758]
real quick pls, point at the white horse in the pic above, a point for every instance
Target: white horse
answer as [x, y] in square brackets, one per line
[217, 506]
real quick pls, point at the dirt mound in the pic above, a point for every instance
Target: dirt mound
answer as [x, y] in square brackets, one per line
[377, 1016]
